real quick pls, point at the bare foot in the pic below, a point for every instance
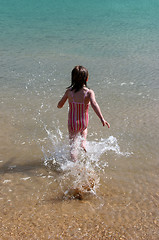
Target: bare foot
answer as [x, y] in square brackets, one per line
[75, 193]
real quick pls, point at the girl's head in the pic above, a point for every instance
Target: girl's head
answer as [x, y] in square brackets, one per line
[79, 78]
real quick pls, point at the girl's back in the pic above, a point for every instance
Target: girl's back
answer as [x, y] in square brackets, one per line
[82, 96]
[78, 109]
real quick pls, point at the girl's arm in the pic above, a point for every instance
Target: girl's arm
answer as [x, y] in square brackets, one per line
[96, 108]
[63, 100]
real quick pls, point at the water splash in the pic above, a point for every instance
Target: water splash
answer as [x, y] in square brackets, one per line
[83, 176]
[56, 152]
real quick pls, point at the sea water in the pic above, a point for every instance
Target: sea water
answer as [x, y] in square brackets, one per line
[40, 43]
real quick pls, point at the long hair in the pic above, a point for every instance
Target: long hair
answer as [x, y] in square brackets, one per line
[79, 78]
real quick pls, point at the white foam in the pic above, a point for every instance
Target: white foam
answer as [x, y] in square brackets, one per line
[6, 181]
[85, 172]
[26, 178]
[122, 84]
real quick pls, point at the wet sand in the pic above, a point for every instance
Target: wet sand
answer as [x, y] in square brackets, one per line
[33, 207]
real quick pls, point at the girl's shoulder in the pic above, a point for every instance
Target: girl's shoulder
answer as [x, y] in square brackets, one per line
[69, 93]
[89, 91]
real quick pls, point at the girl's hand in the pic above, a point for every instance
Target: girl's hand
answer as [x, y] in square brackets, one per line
[105, 123]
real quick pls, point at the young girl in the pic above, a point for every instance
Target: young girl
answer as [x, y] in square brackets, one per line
[79, 98]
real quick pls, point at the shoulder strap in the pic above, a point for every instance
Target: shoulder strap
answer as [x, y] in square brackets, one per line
[85, 95]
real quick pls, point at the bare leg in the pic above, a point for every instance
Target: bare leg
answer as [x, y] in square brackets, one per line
[84, 136]
[73, 151]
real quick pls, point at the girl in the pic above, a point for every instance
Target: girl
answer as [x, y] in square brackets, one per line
[79, 98]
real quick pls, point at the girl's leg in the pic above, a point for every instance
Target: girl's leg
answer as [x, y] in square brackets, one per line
[73, 151]
[84, 136]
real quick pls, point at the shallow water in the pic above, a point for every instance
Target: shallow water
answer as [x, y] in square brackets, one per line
[117, 179]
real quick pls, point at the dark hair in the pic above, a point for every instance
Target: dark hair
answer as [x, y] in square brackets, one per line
[79, 78]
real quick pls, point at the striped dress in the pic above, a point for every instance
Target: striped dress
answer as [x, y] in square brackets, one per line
[78, 116]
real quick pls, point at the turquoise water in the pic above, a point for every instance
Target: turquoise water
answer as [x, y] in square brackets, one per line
[123, 34]
[40, 42]
[109, 28]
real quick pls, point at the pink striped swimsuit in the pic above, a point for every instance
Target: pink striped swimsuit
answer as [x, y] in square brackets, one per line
[78, 116]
